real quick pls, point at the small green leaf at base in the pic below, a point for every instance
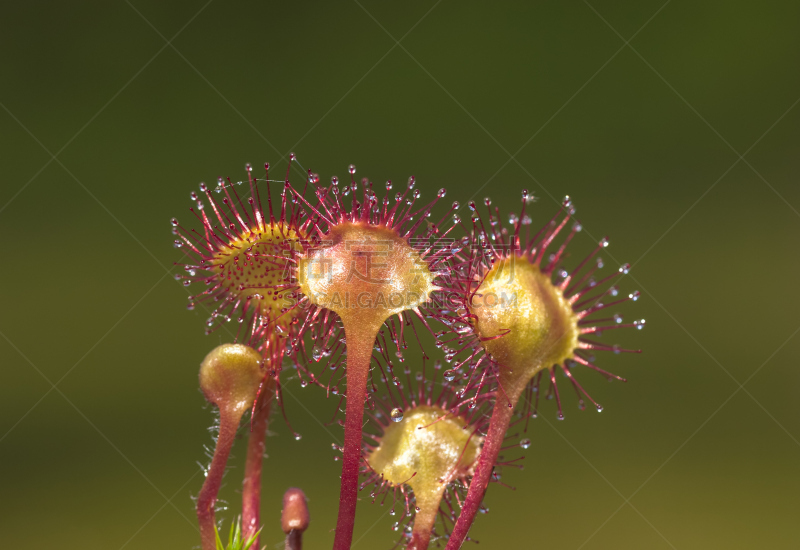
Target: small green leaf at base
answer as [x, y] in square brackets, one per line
[235, 541]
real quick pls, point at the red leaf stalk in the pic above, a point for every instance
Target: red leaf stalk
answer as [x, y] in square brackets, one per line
[498, 426]
[251, 487]
[360, 341]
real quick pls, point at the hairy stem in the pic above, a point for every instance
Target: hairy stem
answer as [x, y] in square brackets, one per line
[360, 340]
[251, 486]
[228, 424]
[498, 426]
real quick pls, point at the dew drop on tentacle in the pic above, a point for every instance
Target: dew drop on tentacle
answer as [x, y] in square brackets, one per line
[396, 415]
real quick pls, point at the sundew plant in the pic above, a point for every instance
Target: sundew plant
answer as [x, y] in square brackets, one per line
[329, 283]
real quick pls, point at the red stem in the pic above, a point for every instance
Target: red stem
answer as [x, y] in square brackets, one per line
[294, 540]
[251, 486]
[228, 424]
[498, 426]
[360, 340]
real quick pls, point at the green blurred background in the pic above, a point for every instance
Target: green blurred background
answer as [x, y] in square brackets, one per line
[700, 449]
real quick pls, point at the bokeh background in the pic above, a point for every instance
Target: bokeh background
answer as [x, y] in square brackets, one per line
[673, 125]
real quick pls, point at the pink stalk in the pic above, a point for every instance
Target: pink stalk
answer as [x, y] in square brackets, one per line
[251, 487]
[228, 424]
[360, 341]
[423, 525]
[498, 426]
